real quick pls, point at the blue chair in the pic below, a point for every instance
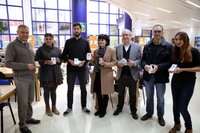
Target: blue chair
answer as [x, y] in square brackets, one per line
[2, 105]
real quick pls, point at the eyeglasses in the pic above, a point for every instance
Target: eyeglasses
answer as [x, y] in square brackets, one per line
[157, 31]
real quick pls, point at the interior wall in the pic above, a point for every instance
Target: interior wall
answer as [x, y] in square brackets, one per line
[192, 33]
[169, 34]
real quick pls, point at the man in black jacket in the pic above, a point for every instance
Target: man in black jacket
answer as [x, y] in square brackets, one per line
[156, 61]
[74, 53]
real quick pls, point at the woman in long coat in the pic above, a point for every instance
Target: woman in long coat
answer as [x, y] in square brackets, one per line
[102, 78]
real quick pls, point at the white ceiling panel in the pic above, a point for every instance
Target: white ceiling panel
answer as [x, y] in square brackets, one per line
[181, 11]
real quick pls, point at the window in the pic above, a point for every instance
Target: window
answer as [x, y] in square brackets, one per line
[11, 17]
[51, 16]
[102, 19]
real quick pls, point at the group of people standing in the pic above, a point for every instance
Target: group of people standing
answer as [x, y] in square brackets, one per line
[158, 56]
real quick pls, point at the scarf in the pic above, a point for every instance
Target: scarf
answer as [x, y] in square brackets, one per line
[101, 53]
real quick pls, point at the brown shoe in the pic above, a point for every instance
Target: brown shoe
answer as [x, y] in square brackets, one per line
[188, 131]
[54, 109]
[48, 111]
[177, 127]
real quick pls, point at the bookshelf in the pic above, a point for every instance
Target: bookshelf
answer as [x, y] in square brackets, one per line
[197, 42]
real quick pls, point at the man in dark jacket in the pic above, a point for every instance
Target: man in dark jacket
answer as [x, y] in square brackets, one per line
[74, 53]
[156, 61]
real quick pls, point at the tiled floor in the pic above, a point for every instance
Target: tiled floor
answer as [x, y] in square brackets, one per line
[79, 122]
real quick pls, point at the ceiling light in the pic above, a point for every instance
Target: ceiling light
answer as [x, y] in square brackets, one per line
[189, 25]
[164, 10]
[192, 3]
[141, 14]
[175, 26]
[160, 23]
[194, 19]
[176, 22]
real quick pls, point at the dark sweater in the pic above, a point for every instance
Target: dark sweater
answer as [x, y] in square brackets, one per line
[126, 69]
[76, 49]
[44, 53]
[187, 78]
[18, 56]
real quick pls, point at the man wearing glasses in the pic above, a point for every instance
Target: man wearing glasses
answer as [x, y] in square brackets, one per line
[156, 61]
[127, 72]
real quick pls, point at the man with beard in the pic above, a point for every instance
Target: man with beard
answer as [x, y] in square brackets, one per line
[74, 53]
[156, 61]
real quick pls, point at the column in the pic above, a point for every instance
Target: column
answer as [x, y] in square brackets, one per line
[128, 22]
[79, 14]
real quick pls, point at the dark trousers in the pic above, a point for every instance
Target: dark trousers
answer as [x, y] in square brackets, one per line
[181, 97]
[47, 92]
[102, 99]
[71, 76]
[127, 80]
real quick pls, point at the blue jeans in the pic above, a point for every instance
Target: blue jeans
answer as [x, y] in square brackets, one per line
[160, 91]
[181, 95]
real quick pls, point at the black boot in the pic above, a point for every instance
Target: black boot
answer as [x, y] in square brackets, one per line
[103, 112]
[98, 112]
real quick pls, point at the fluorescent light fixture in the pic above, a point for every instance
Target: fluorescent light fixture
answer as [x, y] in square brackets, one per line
[189, 25]
[194, 19]
[192, 3]
[176, 22]
[141, 14]
[163, 10]
[160, 23]
[175, 26]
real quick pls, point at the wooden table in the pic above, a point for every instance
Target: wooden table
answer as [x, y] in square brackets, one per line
[9, 73]
[7, 91]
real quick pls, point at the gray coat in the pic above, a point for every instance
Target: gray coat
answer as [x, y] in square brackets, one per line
[18, 56]
[135, 55]
[44, 53]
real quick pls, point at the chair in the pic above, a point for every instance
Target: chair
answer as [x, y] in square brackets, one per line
[141, 84]
[10, 79]
[2, 105]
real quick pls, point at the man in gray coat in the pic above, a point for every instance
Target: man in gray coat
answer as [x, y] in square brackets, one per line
[127, 73]
[20, 57]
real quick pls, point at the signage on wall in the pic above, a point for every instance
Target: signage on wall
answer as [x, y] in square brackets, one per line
[83, 27]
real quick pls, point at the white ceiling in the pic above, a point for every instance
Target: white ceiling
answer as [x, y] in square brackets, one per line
[181, 12]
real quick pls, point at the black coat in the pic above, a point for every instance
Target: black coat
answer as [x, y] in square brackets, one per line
[44, 53]
[163, 60]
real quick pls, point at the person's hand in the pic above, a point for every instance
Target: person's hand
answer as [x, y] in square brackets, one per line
[155, 68]
[146, 68]
[48, 62]
[81, 63]
[31, 66]
[130, 63]
[170, 71]
[102, 63]
[178, 70]
[121, 64]
[57, 60]
[72, 62]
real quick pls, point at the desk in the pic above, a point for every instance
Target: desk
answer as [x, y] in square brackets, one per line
[9, 73]
[8, 91]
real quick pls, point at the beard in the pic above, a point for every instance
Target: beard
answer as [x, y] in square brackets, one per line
[77, 35]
